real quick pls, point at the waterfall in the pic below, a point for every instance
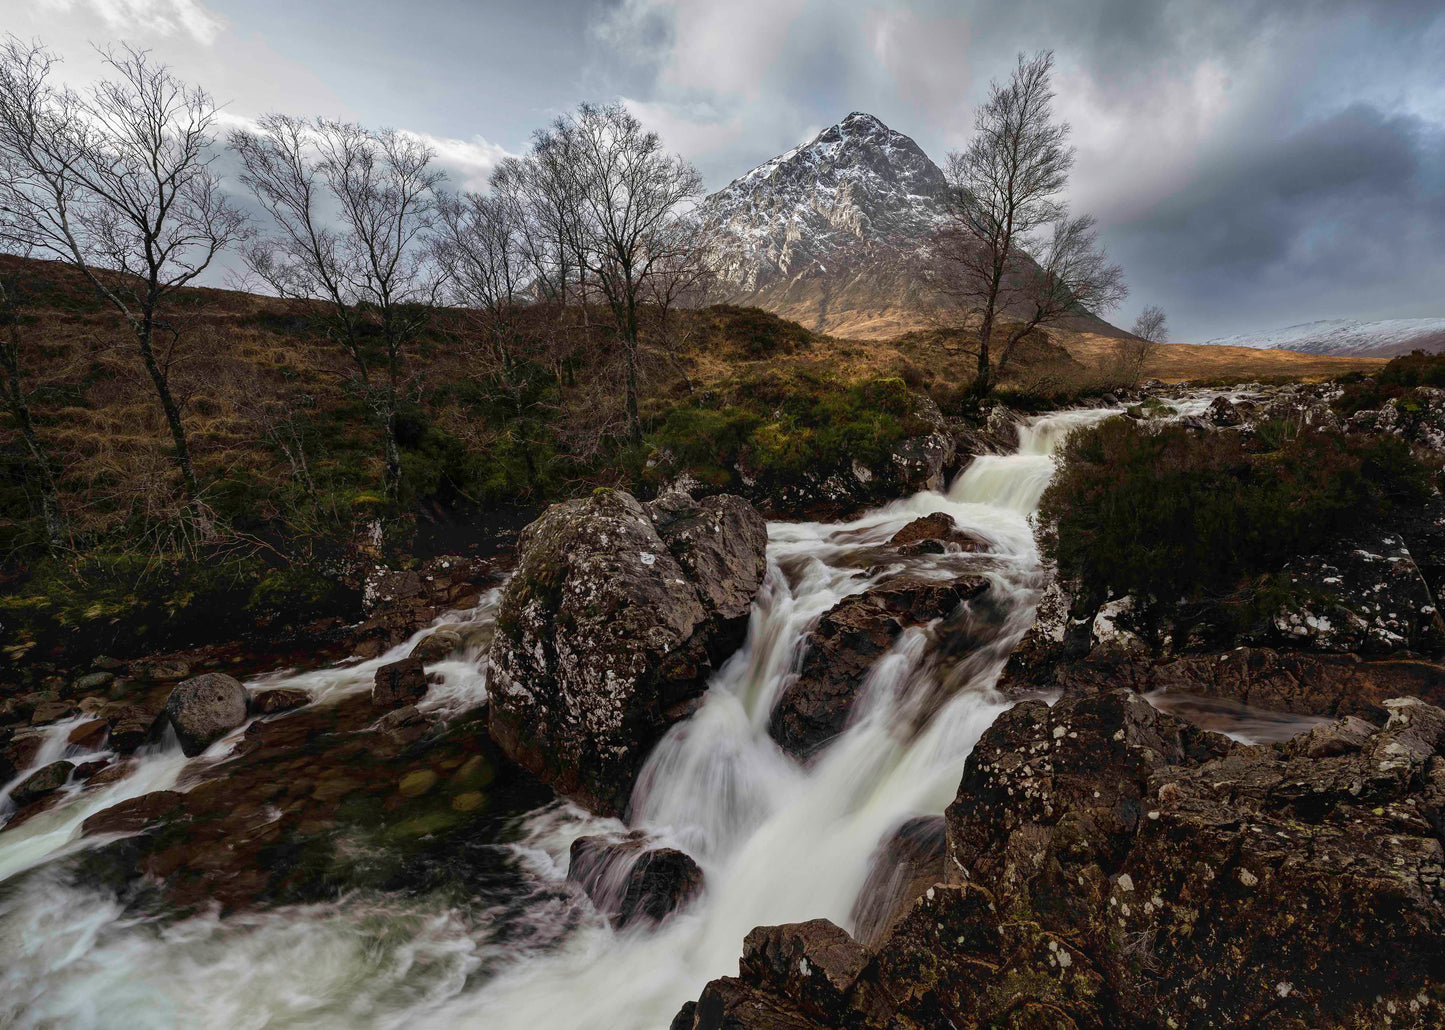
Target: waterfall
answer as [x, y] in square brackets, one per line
[778, 841]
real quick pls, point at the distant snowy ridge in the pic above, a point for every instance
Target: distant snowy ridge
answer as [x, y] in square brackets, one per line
[1346, 336]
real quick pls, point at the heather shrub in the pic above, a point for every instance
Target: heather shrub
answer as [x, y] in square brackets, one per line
[1177, 517]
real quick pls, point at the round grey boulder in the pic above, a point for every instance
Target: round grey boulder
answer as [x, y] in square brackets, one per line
[203, 709]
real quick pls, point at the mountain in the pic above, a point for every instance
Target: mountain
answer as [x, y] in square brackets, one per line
[1346, 336]
[829, 234]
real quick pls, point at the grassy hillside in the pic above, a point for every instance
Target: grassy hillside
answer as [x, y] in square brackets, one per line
[290, 458]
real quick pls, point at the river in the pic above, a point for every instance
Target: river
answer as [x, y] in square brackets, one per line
[778, 842]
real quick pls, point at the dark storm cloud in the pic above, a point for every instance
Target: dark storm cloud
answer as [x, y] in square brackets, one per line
[1343, 216]
[1252, 163]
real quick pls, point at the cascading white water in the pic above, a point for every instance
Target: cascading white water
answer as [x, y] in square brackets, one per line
[778, 842]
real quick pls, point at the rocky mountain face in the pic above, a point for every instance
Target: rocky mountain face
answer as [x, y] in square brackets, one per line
[832, 233]
[827, 233]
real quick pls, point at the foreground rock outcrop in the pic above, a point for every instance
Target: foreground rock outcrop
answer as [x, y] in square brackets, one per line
[607, 633]
[1109, 865]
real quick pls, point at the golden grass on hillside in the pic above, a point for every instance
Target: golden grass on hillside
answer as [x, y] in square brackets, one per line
[1177, 362]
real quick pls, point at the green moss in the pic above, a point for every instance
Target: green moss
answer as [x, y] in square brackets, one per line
[778, 429]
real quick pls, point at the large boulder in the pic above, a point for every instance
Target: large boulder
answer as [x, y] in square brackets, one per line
[203, 709]
[631, 880]
[616, 617]
[844, 646]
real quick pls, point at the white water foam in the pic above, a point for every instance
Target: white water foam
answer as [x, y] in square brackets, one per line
[778, 841]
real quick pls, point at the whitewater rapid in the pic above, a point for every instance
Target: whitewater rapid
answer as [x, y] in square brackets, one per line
[778, 841]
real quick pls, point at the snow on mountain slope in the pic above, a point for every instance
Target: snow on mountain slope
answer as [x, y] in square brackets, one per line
[826, 233]
[1345, 336]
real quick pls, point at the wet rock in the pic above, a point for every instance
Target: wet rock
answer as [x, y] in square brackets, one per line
[204, 709]
[135, 814]
[399, 683]
[160, 670]
[905, 865]
[130, 727]
[19, 753]
[282, 699]
[437, 646]
[88, 735]
[797, 976]
[630, 880]
[843, 648]
[1223, 413]
[51, 711]
[92, 682]
[43, 781]
[934, 534]
[405, 725]
[1302, 683]
[605, 638]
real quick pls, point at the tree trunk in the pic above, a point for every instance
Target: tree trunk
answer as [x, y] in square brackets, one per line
[634, 422]
[392, 451]
[983, 381]
[158, 376]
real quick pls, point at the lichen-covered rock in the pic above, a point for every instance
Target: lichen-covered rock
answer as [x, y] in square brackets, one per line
[1199, 877]
[610, 628]
[1111, 866]
[203, 709]
[1369, 597]
[630, 880]
[1223, 413]
[843, 648]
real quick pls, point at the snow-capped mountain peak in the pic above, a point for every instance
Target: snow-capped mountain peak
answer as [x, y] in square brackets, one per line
[857, 198]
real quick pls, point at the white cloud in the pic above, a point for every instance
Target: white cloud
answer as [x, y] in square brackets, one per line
[467, 162]
[154, 17]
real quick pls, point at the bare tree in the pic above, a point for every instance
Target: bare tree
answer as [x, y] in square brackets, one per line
[17, 393]
[1008, 245]
[484, 248]
[353, 213]
[117, 181]
[1151, 325]
[1133, 353]
[629, 196]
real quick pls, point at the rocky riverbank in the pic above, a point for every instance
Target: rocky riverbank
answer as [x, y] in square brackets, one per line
[631, 724]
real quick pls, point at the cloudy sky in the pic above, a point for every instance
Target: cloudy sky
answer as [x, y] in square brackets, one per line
[1253, 164]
